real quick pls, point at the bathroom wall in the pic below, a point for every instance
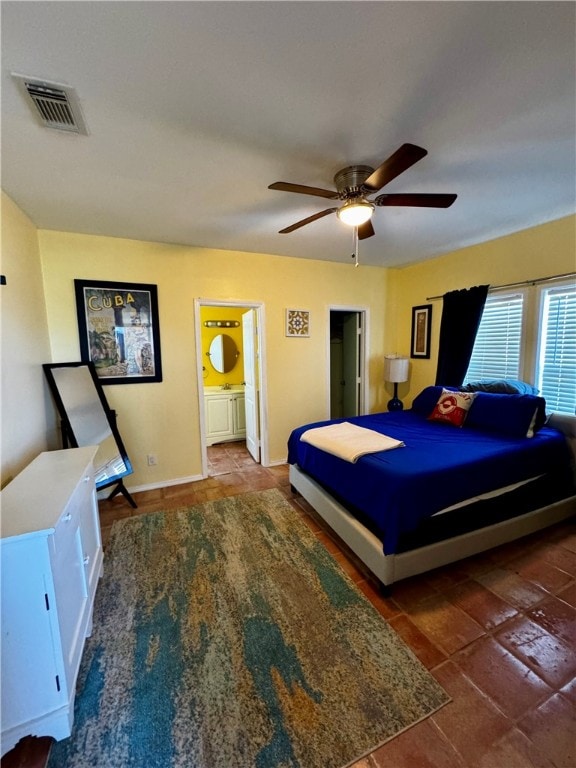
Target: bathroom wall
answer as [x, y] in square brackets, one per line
[212, 378]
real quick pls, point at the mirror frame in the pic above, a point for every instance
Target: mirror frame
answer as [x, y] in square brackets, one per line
[67, 431]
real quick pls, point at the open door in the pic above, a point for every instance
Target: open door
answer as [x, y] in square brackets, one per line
[351, 365]
[347, 376]
[250, 347]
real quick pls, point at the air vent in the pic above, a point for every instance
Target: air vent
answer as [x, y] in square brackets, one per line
[56, 105]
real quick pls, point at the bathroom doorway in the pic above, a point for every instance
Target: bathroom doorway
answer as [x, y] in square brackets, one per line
[231, 391]
[347, 362]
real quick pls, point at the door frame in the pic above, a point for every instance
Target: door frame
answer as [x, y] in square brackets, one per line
[363, 347]
[258, 307]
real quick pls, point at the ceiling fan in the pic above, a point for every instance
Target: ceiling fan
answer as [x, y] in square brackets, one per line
[356, 182]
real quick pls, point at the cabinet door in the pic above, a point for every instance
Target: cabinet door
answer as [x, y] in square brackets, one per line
[219, 416]
[240, 414]
[72, 602]
[32, 683]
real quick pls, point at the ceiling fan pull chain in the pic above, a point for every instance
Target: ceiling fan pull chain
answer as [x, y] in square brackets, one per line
[355, 244]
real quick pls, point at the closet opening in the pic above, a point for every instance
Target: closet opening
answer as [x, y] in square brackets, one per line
[347, 362]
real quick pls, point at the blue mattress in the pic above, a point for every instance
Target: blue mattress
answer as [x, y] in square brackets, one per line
[439, 466]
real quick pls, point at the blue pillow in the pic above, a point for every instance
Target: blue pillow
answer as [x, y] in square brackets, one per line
[424, 402]
[502, 386]
[512, 415]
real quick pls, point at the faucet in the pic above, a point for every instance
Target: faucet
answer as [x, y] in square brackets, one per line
[226, 386]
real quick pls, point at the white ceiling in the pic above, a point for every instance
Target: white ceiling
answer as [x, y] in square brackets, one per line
[194, 108]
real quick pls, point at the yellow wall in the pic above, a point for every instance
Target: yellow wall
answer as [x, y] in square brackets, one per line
[212, 378]
[163, 418]
[549, 249]
[27, 413]
[39, 325]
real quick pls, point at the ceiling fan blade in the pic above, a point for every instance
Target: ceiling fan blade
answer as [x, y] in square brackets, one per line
[309, 220]
[400, 161]
[417, 200]
[365, 230]
[286, 186]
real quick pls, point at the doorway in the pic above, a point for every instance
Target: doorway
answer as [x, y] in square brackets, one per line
[237, 410]
[347, 362]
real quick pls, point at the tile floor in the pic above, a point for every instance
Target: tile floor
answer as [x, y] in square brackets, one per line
[496, 630]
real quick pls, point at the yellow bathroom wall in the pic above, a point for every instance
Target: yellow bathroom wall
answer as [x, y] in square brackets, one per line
[546, 250]
[163, 418]
[212, 377]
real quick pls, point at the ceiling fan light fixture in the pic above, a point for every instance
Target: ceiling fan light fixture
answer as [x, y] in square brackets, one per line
[355, 212]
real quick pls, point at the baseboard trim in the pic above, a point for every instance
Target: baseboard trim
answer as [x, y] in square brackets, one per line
[160, 484]
[178, 481]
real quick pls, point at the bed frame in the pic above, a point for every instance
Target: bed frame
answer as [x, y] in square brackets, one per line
[391, 568]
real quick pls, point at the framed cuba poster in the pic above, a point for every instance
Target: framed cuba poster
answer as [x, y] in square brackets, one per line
[119, 330]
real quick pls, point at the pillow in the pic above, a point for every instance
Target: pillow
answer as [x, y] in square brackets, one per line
[427, 399]
[512, 415]
[452, 407]
[502, 386]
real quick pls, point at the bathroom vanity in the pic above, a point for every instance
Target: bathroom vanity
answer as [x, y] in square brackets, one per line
[225, 414]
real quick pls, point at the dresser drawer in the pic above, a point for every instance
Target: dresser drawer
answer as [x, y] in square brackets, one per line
[69, 520]
[64, 532]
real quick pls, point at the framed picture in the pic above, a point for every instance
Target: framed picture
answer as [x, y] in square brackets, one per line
[119, 330]
[421, 327]
[297, 322]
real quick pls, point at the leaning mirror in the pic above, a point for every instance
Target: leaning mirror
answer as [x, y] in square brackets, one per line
[223, 353]
[86, 419]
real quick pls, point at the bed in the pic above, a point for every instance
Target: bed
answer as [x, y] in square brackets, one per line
[469, 471]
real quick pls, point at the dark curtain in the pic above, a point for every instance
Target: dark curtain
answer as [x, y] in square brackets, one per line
[461, 315]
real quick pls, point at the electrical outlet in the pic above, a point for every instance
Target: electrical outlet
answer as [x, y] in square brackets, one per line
[152, 459]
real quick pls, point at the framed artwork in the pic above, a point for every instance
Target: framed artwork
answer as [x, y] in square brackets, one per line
[119, 330]
[297, 322]
[421, 328]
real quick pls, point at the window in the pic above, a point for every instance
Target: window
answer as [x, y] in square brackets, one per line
[556, 368]
[510, 320]
[496, 353]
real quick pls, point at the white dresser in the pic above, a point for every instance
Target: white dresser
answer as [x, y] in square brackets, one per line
[50, 560]
[225, 414]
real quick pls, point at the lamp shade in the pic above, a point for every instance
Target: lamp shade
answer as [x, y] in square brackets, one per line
[395, 368]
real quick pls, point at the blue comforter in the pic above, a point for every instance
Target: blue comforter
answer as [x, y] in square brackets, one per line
[440, 465]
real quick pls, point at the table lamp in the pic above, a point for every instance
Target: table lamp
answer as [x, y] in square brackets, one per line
[395, 371]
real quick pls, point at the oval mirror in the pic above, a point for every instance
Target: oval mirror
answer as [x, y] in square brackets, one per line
[223, 353]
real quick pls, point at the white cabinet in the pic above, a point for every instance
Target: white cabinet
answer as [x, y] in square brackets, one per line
[225, 415]
[51, 559]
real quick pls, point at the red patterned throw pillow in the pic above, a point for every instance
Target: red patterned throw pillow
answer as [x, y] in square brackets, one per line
[452, 407]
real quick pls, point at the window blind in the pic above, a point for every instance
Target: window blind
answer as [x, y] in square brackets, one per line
[496, 352]
[557, 359]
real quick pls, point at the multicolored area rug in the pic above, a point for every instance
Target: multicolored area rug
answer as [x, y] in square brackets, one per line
[226, 636]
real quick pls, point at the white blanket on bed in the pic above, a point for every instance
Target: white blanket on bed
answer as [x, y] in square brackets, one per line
[348, 441]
